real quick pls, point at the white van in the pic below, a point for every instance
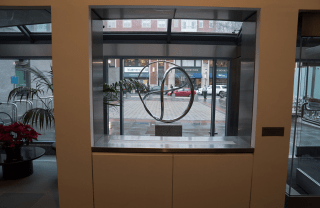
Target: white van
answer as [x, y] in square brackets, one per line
[219, 89]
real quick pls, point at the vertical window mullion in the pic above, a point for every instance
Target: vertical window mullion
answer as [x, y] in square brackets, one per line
[105, 106]
[121, 100]
[229, 99]
[213, 98]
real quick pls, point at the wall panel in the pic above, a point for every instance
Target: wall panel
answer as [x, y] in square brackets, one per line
[216, 180]
[132, 180]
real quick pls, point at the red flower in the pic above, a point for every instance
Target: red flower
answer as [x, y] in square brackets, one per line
[16, 134]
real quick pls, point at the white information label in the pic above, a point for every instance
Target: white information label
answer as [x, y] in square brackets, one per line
[135, 69]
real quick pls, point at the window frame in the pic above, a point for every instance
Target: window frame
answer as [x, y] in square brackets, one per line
[126, 21]
[149, 23]
[190, 25]
[113, 22]
[194, 65]
[165, 23]
[210, 23]
[200, 23]
[175, 23]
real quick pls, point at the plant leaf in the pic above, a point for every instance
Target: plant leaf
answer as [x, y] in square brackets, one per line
[23, 91]
[38, 116]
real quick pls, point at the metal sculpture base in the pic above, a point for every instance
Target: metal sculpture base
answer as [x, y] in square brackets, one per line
[168, 129]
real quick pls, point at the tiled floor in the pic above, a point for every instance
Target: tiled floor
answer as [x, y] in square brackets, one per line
[40, 190]
[196, 123]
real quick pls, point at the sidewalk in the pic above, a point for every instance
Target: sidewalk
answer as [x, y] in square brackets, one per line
[196, 123]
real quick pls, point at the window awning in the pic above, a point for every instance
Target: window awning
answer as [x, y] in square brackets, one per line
[223, 76]
[192, 76]
[196, 76]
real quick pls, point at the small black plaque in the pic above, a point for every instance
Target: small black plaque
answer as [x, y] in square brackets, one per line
[272, 131]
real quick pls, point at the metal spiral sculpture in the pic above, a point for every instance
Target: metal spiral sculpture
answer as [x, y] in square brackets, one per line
[162, 91]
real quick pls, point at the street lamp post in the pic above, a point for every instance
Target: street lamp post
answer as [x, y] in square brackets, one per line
[205, 77]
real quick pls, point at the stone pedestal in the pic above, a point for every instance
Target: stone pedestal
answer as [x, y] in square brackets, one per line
[168, 129]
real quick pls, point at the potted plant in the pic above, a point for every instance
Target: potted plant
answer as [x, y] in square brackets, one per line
[45, 116]
[112, 91]
[36, 116]
[12, 137]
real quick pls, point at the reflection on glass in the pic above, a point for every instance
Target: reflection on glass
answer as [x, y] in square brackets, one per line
[40, 28]
[162, 23]
[175, 23]
[135, 25]
[146, 23]
[211, 63]
[7, 70]
[136, 62]
[205, 26]
[16, 68]
[127, 23]
[9, 29]
[129, 62]
[304, 153]
[178, 25]
[187, 62]
[143, 62]
[112, 62]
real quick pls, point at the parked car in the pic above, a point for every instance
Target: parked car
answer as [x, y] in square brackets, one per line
[219, 89]
[184, 92]
[158, 88]
[209, 90]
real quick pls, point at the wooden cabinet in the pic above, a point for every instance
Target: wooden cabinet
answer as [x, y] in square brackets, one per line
[172, 180]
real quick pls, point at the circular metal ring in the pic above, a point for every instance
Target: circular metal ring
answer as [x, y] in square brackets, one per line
[162, 91]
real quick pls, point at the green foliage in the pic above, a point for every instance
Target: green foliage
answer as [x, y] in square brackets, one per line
[112, 91]
[24, 91]
[45, 116]
[39, 116]
[36, 116]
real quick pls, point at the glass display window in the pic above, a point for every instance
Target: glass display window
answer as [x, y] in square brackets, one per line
[161, 64]
[143, 62]
[162, 23]
[187, 62]
[111, 62]
[146, 23]
[127, 23]
[129, 62]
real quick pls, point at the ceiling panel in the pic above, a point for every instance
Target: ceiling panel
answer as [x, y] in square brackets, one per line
[129, 13]
[18, 17]
[175, 13]
[213, 14]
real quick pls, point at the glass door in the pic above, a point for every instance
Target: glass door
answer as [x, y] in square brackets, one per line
[304, 154]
